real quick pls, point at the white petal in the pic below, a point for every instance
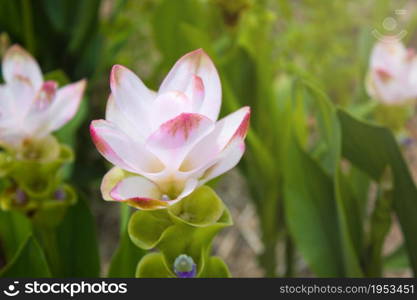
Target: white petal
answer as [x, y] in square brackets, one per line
[135, 187]
[121, 150]
[23, 97]
[17, 63]
[173, 140]
[227, 160]
[169, 105]
[196, 63]
[132, 97]
[207, 150]
[195, 92]
[139, 192]
[110, 180]
[118, 118]
[62, 109]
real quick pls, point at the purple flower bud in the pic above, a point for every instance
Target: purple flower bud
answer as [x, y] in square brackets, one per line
[20, 197]
[60, 194]
[185, 267]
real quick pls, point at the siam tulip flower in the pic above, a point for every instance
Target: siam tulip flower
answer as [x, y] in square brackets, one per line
[165, 144]
[31, 108]
[392, 77]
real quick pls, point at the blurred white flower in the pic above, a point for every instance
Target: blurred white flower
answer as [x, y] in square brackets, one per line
[392, 77]
[30, 108]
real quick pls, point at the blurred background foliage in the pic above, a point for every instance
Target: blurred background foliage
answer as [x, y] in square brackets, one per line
[293, 62]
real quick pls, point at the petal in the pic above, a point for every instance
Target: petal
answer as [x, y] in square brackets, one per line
[132, 97]
[138, 192]
[196, 63]
[174, 138]
[62, 109]
[118, 118]
[121, 150]
[17, 63]
[135, 186]
[190, 185]
[169, 105]
[227, 160]
[6, 102]
[389, 56]
[110, 180]
[45, 95]
[234, 125]
[23, 94]
[195, 92]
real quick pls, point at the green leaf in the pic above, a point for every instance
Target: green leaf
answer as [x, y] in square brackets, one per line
[168, 20]
[29, 261]
[359, 144]
[86, 19]
[57, 75]
[202, 208]
[124, 261]
[77, 243]
[330, 200]
[14, 230]
[311, 213]
[153, 265]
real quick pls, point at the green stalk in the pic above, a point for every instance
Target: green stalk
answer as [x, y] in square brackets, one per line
[380, 225]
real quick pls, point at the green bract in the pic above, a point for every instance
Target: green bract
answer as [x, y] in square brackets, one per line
[32, 181]
[187, 227]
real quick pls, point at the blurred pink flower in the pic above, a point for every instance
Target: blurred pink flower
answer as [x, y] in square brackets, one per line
[392, 77]
[30, 108]
[169, 138]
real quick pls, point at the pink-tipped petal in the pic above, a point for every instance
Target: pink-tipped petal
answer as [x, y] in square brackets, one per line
[196, 63]
[232, 126]
[176, 137]
[132, 97]
[138, 192]
[195, 92]
[65, 104]
[135, 186]
[169, 105]
[227, 160]
[45, 95]
[119, 149]
[19, 64]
